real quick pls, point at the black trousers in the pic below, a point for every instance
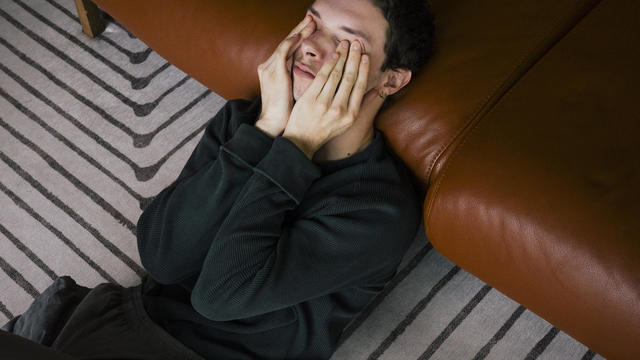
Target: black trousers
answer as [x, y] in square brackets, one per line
[107, 322]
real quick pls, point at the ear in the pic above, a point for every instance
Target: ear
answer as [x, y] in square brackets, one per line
[393, 81]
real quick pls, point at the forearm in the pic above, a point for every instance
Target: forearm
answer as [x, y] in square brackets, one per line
[177, 228]
[247, 245]
[268, 256]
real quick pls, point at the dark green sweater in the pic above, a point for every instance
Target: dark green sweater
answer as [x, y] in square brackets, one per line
[255, 251]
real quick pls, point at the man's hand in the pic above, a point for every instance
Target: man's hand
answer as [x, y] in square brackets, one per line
[321, 113]
[275, 80]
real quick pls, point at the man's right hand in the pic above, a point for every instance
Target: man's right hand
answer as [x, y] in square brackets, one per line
[276, 85]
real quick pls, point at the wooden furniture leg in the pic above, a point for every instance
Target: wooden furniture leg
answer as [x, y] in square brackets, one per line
[89, 14]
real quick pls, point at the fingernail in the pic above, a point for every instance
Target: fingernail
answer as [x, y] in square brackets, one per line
[345, 44]
[356, 45]
[365, 59]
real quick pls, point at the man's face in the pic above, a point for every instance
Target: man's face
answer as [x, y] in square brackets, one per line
[338, 20]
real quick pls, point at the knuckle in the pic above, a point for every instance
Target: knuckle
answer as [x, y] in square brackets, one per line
[350, 77]
[336, 74]
[322, 108]
[336, 110]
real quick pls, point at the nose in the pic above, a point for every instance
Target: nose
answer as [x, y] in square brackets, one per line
[316, 47]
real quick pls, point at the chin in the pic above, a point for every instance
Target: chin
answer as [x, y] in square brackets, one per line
[299, 88]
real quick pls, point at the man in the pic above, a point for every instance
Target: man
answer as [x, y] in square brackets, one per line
[288, 218]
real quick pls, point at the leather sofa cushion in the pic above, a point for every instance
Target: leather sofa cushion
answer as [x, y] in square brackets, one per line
[541, 199]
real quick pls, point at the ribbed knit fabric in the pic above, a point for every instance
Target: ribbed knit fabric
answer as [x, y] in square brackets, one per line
[255, 251]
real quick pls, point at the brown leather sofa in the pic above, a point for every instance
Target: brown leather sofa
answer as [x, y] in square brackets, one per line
[523, 131]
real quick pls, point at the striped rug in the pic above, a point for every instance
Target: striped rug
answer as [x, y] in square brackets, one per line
[91, 130]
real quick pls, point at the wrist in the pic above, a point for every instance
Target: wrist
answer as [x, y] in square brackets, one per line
[306, 147]
[263, 126]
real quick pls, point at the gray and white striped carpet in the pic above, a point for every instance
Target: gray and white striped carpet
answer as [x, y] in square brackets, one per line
[90, 130]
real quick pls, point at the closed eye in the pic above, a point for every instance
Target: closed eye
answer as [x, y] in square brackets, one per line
[335, 40]
[317, 18]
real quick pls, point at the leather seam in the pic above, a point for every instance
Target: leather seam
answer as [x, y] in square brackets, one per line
[476, 119]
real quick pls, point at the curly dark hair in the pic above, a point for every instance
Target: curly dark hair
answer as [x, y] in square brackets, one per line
[409, 42]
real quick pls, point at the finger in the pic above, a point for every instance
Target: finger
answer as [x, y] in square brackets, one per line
[350, 75]
[329, 89]
[322, 75]
[301, 31]
[360, 86]
[307, 19]
[303, 34]
[288, 46]
[283, 49]
[293, 37]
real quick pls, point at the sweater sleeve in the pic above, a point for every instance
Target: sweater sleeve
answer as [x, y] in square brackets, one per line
[175, 231]
[261, 262]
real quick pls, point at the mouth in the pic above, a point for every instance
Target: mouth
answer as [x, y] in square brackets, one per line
[303, 71]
